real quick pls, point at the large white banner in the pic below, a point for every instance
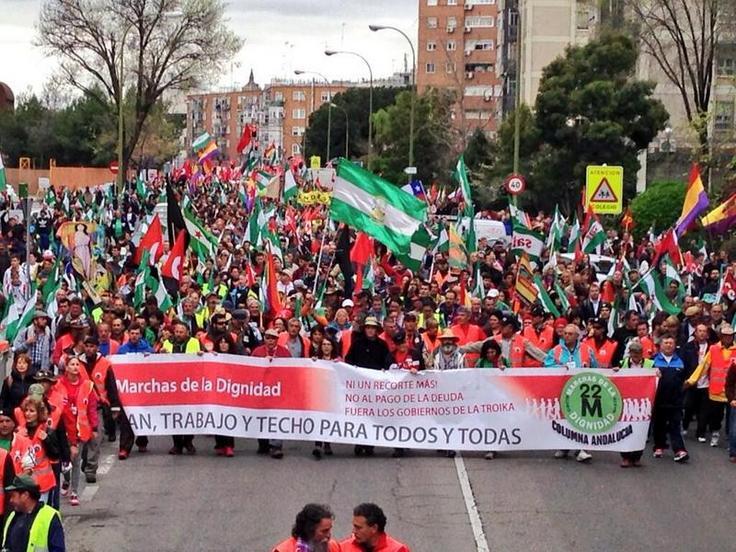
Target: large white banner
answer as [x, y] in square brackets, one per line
[301, 399]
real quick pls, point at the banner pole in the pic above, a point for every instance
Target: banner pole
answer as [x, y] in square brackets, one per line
[319, 258]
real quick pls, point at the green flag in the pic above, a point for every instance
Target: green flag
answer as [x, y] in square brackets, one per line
[3, 178]
[461, 176]
[159, 291]
[544, 297]
[420, 242]
[290, 187]
[201, 241]
[22, 320]
[375, 206]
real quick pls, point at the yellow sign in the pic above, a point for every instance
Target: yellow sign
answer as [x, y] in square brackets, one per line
[313, 198]
[604, 189]
[315, 162]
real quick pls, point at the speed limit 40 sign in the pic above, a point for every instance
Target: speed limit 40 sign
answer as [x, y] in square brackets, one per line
[514, 184]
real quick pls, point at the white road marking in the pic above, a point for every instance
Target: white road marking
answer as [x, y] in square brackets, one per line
[90, 489]
[89, 492]
[470, 506]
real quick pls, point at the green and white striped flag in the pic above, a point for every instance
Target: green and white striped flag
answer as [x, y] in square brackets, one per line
[671, 274]
[420, 242]
[10, 312]
[16, 321]
[526, 240]
[461, 175]
[479, 289]
[375, 206]
[544, 297]
[3, 178]
[562, 296]
[572, 242]
[290, 187]
[556, 231]
[201, 241]
[652, 286]
[594, 235]
[159, 291]
[139, 289]
[443, 241]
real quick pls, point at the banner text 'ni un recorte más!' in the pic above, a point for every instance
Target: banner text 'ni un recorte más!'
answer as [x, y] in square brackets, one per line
[302, 399]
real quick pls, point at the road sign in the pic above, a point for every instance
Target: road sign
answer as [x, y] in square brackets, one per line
[315, 162]
[515, 184]
[113, 166]
[604, 189]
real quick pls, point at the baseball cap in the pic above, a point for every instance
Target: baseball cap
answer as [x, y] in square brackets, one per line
[23, 483]
[493, 293]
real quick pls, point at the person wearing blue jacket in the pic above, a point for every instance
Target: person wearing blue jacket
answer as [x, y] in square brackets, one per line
[668, 402]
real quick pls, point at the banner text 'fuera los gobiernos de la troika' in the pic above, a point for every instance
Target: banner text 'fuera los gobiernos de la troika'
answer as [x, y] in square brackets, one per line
[302, 399]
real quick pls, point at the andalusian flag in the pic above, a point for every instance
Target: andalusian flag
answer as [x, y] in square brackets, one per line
[526, 241]
[544, 297]
[461, 175]
[458, 253]
[3, 178]
[572, 242]
[652, 286]
[593, 233]
[201, 241]
[375, 206]
[18, 321]
[556, 230]
[290, 187]
[420, 242]
[159, 291]
[256, 223]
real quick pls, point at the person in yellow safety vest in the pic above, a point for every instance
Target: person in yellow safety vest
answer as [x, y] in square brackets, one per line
[32, 526]
[182, 343]
[715, 364]
[312, 531]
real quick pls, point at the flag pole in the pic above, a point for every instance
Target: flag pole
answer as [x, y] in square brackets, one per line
[319, 257]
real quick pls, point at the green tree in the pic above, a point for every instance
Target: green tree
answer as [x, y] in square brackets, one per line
[435, 140]
[659, 207]
[355, 102]
[166, 45]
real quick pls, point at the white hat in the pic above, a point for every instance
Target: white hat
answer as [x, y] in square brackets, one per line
[48, 254]
[348, 303]
[493, 293]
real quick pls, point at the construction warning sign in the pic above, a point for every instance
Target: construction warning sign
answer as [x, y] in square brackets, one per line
[604, 189]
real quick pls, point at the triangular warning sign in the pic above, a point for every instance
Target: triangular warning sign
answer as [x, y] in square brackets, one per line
[604, 193]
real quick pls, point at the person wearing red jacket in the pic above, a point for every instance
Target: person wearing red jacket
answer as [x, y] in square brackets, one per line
[312, 531]
[82, 404]
[271, 349]
[369, 532]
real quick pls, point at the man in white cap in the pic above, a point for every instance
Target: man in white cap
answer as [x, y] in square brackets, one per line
[37, 341]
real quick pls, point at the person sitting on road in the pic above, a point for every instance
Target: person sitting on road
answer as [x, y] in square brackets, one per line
[312, 531]
[369, 532]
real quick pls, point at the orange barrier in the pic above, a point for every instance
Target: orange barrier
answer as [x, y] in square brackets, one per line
[72, 178]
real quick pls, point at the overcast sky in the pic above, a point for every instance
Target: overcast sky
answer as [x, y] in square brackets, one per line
[280, 36]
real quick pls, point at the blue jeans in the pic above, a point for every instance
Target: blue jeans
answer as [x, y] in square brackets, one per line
[732, 431]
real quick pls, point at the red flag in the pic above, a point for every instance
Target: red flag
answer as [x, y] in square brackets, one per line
[627, 221]
[245, 139]
[362, 249]
[175, 260]
[668, 245]
[152, 241]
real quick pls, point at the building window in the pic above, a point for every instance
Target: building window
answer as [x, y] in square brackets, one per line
[482, 45]
[298, 96]
[452, 2]
[324, 97]
[431, 46]
[727, 66]
[431, 2]
[724, 116]
[298, 114]
[297, 131]
[430, 68]
[449, 67]
[295, 149]
[479, 21]
[432, 22]
[482, 2]
[451, 22]
[583, 17]
[451, 45]
[278, 96]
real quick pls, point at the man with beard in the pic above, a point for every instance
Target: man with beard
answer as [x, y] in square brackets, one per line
[312, 531]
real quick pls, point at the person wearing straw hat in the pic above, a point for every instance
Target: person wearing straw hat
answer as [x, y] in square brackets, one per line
[448, 355]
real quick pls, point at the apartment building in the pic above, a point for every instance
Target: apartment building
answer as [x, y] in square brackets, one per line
[280, 110]
[457, 49]
[546, 28]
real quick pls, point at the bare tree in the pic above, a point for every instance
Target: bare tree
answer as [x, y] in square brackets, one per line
[682, 36]
[165, 45]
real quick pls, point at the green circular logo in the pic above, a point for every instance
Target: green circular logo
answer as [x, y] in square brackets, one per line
[591, 402]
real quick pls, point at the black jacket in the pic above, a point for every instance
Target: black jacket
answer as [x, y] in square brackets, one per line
[15, 389]
[369, 353]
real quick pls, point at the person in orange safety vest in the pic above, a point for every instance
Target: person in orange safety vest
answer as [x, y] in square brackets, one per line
[369, 532]
[603, 347]
[312, 531]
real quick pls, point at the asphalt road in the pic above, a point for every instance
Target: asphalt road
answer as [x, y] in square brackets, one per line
[525, 501]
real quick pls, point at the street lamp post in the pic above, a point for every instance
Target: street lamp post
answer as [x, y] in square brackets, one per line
[370, 94]
[347, 129]
[329, 106]
[376, 28]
